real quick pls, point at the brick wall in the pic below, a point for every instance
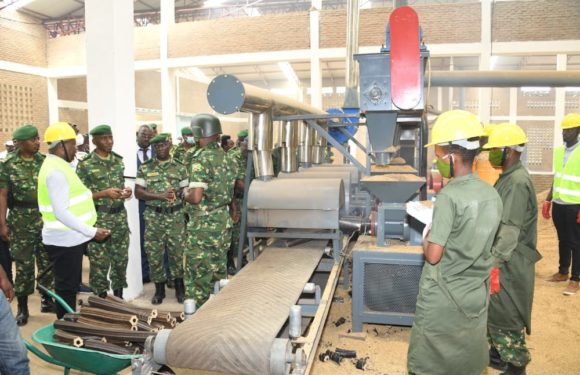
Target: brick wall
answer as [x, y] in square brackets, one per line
[542, 182]
[24, 99]
[67, 51]
[79, 117]
[275, 32]
[536, 20]
[146, 41]
[73, 89]
[22, 39]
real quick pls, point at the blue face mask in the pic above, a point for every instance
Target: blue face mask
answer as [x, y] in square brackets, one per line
[190, 140]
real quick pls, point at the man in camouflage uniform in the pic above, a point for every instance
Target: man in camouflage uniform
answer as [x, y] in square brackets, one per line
[24, 225]
[188, 142]
[210, 192]
[160, 183]
[238, 156]
[102, 172]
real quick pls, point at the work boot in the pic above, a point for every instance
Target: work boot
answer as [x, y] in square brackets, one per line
[47, 304]
[495, 360]
[179, 290]
[558, 277]
[514, 370]
[118, 293]
[159, 294]
[22, 313]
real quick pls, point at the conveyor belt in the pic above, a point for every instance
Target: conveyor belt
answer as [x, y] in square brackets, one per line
[233, 332]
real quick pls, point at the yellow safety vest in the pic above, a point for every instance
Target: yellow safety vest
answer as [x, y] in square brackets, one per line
[80, 197]
[567, 177]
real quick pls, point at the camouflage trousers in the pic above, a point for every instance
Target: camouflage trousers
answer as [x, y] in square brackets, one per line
[164, 231]
[511, 345]
[205, 257]
[236, 229]
[111, 254]
[26, 247]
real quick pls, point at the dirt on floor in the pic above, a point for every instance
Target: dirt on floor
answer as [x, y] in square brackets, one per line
[553, 343]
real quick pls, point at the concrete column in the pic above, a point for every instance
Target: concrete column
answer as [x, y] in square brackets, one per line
[315, 67]
[560, 102]
[52, 100]
[485, 60]
[111, 100]
[168, 76]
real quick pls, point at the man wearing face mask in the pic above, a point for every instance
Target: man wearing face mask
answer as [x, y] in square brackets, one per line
[186, 145]
[565, 193]
[160, 183]
[450, 328]
[68, 213]
[510, 310]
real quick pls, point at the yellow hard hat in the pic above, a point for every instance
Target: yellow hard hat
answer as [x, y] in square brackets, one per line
[59, 131]
[505, 135]
[455, 125]
[571, 120]
[488, 128]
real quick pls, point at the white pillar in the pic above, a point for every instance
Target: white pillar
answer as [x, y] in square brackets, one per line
[111, 100]
[168, 76]
[52, 100]
[485, 60]
[560, 102]
[316, 70]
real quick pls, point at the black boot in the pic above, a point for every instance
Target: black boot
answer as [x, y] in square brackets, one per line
[231, 265]
[47, 304]
[118, 293]
[514, 370]
[170, 283]
[495, 360]
[179, 290]
[103, 294]
[159, 293]
[22, 314]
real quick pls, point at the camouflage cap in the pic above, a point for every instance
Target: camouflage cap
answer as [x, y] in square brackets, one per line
[101, 130]
[163, 137]
[25, 132]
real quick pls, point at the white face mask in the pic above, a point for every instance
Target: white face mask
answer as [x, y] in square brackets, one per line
[80, 139]
[190, 140]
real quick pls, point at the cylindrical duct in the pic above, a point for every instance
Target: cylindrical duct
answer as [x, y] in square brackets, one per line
[289, 143]
[307, 135]
[351, 78]
[260, 139]
[505, 78]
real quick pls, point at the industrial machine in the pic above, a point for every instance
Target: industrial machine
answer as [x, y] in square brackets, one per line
[303, 225]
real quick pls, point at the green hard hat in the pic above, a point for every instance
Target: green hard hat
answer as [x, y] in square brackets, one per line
[208, 124]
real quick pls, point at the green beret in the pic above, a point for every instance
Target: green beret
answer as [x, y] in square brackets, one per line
[160, 138]
[186, 131]
[243, 133]
[153, 126]
[101, 130]
[25, 132]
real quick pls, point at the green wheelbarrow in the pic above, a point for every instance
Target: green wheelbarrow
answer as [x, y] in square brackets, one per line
[70, 357]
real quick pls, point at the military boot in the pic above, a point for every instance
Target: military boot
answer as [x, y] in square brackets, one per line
[159, 294]
[179, 290]
[231, 265]
[47, 304]
[103, 294]
[118, 293]
[495, 360]
[22, 314]
[514, 370]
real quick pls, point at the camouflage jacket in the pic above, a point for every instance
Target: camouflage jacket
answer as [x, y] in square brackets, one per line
[238, 162]
[211, 170]
[159, 176]
[180, 152]
[20, 177]
[188, 157]
[99, 174]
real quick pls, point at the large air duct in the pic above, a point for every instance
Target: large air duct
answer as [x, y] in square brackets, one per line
[289, 146]
[351, 77]
[260, 142]
[505, 78]
[307, 135]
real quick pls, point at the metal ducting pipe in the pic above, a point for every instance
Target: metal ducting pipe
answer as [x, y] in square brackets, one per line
[351, 77]
[307, 135]
[318, 150]
[289, 143]
[260, 141]
[505, 78]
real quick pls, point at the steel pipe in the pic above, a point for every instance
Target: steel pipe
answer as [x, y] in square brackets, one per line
[289, 146]
[505, 78]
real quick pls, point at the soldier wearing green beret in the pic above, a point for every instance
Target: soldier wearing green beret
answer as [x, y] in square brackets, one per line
[238, 161]
[153, 127]
[187, 143]
[160, 183]
[210, 194]
[102, 172]
[18, 180]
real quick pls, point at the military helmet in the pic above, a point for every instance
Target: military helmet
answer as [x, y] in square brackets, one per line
[208, 124]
